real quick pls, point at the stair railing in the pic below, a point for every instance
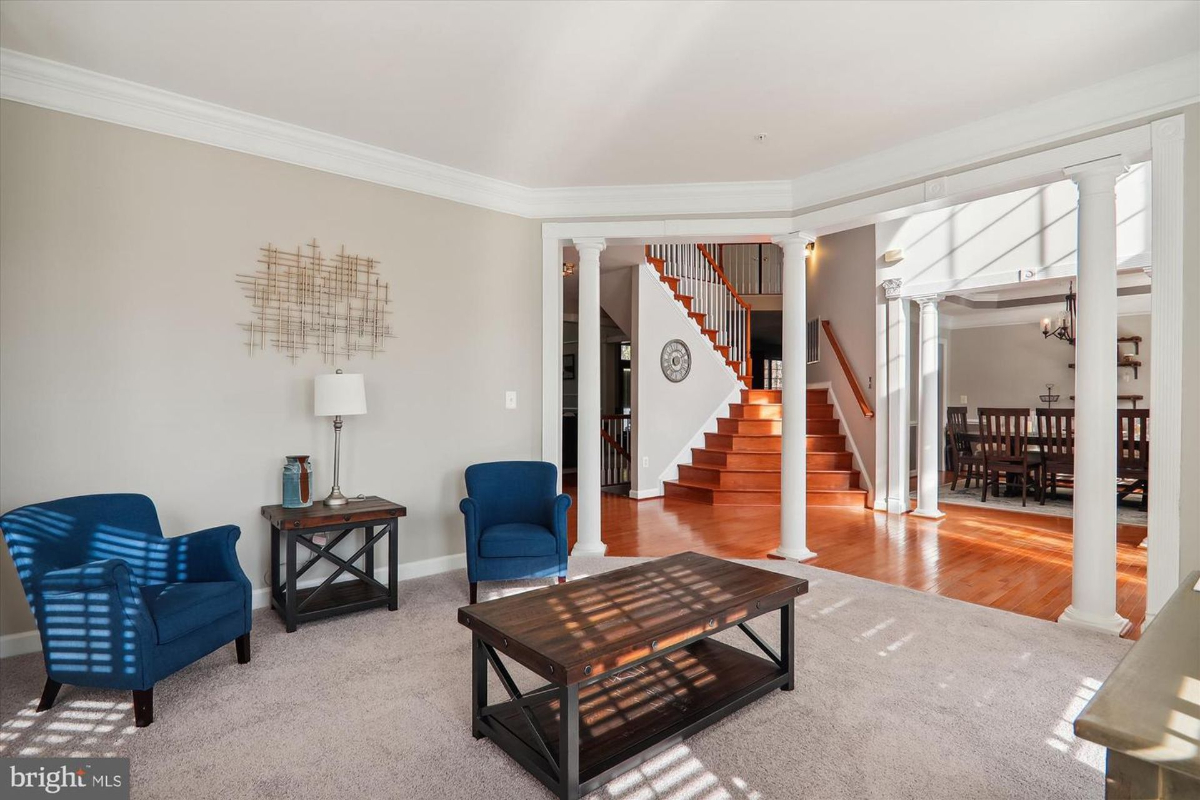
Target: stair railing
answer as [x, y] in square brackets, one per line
[614, 449]
[725, 313]
[859, 395]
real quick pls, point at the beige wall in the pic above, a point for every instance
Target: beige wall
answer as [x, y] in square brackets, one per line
[841, 289]
[1189, 550]
[1010, 365]
[122, 367]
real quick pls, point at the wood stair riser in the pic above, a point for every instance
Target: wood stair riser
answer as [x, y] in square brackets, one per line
[823, 427]
[833, 479]
[772, 396]
[820, 411]
[729, 479]
[755, 411]
[773, 427]
[826, 461]
[685, 301]
[734, 460]
[851, 498]
[730, 441]
[826, 444]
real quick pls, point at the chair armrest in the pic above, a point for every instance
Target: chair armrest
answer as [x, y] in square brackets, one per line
[470, 510]
[109, 576]
[207, 555]
[556, 518]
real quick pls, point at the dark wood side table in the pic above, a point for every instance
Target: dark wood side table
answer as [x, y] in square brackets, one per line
[294, 527]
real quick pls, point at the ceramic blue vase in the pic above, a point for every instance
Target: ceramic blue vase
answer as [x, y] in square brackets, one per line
[297, 482]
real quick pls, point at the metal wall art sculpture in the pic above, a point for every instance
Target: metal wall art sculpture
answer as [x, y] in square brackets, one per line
[304, 300]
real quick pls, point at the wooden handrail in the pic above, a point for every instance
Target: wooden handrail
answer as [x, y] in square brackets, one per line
[606, 436]
[717, 267]
[841, 357]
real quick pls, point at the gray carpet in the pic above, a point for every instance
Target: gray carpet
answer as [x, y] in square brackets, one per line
[900, 695]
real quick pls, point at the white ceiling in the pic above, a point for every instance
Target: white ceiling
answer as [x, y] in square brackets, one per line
[585, 93]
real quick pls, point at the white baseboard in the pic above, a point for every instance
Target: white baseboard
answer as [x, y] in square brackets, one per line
[645, 494]
[18, 644]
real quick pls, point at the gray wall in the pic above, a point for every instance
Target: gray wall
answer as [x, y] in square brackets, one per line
[122, 366]
[1010, 365]
[841, 289]
[1189, 550]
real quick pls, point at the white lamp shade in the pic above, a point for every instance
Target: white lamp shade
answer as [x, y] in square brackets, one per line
[339, 395]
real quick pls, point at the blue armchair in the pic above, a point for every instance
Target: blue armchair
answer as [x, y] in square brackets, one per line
[118, 605]
[516, 522]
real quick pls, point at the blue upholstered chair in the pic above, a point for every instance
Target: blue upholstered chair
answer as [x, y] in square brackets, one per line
[516, 522]
[118, 605]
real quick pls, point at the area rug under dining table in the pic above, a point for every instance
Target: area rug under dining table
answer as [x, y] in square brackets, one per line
[899, 694]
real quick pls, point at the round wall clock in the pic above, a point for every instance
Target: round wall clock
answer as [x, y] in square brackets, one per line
[676, 360]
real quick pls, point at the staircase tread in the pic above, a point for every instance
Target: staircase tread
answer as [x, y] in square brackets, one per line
[726, 470]
[715, 488]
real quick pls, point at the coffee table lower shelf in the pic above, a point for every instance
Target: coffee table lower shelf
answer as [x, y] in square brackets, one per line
[631, 715]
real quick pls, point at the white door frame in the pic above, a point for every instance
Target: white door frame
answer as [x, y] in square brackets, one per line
[1161, 142]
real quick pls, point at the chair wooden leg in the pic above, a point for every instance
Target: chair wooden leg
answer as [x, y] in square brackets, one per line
[986, 486]
[243, 648]
[954, 481]
[49, 694]
[474, 593]
[1024, 488]
[143, 707]
[562, 578]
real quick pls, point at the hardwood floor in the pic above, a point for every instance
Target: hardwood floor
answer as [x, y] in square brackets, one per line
[1008, 560]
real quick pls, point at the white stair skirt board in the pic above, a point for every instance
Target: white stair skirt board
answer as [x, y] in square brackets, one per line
[1114, 625]
[17, 644]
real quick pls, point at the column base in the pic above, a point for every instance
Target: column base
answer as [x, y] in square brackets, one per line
[789, 555]
[1114, 625]
[582, 549]
[897, 506]
[934, 514]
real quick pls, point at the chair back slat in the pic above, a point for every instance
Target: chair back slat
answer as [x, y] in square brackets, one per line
[1004, 432]
[960, 437]
[1056, 433]
[1133, 442]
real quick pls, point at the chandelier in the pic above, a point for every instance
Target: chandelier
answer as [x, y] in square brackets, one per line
[1064, 327]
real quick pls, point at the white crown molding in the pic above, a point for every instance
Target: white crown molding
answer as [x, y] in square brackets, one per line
[60, 87]
[1136, 95]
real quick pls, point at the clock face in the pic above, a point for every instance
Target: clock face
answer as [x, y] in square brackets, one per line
[676, 360]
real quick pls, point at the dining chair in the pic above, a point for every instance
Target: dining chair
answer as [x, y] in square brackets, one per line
[1056, 436]
[962, 450]
[1004, 446]
[1133, 452]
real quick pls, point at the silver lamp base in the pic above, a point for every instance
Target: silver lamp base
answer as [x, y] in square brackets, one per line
[336, 498]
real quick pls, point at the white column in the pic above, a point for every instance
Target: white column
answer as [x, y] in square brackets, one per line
[793, 530]
[588, 542]
[881, 402]
[897, 322]
[929, 434]
[1094, 578]
[1166, 372]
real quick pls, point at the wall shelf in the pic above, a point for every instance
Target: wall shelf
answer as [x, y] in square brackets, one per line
[1131, 398]
[1134, 365]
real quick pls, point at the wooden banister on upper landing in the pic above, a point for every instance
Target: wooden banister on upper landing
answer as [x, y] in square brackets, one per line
[859, 395]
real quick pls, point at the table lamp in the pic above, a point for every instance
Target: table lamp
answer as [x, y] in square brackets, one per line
[338, 395]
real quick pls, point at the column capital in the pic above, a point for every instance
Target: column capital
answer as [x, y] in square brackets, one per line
[595, 243]
[928, 300]
[795, 238]
[1098, 176]
[891, 287]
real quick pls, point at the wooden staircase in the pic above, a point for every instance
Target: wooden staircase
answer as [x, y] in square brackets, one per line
[739, 465]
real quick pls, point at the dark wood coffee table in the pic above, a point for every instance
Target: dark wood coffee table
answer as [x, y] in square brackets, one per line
[631, 668]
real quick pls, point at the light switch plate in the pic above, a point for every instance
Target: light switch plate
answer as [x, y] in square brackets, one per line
[646, 461]
[962, 399]
[510, 399]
